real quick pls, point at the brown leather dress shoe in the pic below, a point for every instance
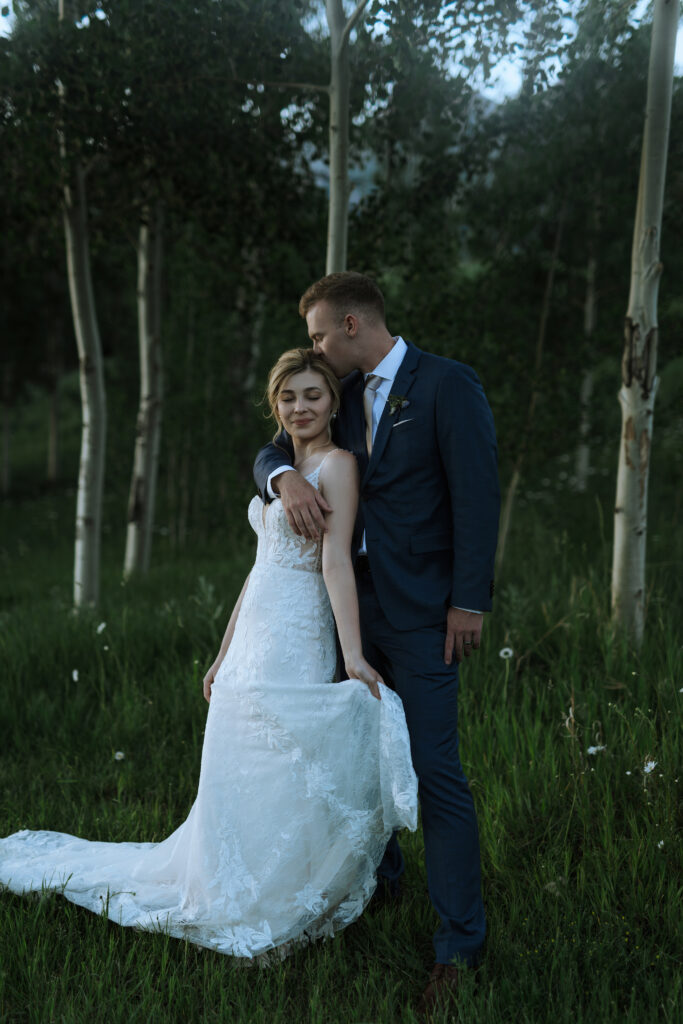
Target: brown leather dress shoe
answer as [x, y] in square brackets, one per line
[444, 982]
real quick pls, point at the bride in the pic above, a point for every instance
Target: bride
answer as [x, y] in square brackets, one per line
[303, 780]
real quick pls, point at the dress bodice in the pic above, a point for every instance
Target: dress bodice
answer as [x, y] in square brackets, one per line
[277, 542]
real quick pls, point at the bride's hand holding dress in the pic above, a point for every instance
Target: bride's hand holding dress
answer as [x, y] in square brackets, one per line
[210, 676]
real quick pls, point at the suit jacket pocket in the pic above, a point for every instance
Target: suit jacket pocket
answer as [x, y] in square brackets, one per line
[425, 542]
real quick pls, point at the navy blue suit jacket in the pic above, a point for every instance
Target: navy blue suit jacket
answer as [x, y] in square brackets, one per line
[429, 494]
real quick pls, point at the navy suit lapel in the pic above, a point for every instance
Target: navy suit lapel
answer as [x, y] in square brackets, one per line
[401, 386]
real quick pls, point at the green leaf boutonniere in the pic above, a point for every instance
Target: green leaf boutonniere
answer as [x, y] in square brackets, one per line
[397, 403]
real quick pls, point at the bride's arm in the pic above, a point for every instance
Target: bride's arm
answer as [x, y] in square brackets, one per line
[211, 674]
[339, 483]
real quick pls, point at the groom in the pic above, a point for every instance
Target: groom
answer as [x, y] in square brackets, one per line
[424, 545]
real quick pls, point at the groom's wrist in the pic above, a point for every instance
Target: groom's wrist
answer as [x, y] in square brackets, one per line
[272, 480]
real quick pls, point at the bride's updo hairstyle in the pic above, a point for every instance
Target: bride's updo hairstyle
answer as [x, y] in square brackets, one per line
[296, 360]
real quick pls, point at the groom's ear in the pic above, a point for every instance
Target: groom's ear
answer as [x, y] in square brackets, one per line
[351, 325]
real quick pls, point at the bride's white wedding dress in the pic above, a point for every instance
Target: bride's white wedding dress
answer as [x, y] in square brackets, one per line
[302, 782]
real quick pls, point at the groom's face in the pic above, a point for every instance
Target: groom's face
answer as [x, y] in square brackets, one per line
[333, 340]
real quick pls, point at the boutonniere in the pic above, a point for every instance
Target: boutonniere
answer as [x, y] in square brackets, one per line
[397, 403]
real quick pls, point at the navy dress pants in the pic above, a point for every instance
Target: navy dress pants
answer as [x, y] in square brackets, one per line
[412, 664]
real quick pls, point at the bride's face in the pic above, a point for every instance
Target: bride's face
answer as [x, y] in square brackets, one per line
[304, 405]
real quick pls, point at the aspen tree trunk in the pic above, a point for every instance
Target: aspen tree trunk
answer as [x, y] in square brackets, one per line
[142, 496]
[340, 78]
[639, 362]
[508, 504]
[93, 403]
[91, 376]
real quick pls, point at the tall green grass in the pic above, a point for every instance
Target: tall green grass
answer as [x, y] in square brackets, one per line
[581, 851]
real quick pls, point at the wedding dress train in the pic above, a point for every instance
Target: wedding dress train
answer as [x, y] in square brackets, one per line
[302, 782]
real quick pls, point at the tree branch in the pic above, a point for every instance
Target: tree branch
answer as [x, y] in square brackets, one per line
[350, 24]
[306, 86]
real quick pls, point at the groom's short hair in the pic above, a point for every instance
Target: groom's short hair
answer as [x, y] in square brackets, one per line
[346, 292]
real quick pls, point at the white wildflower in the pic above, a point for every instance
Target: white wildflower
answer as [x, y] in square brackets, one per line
[648, 767]
[505, 653]
[597, 749]
[629, 773]
[74, 675]
[101, 628]
[119, 755]
[660, 844]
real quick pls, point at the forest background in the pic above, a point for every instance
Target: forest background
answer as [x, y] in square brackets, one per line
[500, 232]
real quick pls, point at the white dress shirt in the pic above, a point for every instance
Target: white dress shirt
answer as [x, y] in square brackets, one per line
[387, 370]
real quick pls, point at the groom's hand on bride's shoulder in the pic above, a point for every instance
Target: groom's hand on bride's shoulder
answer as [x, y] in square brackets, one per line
[463, 634]
[304, 506]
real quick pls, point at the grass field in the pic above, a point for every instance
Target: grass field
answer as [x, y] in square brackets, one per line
[581, 851]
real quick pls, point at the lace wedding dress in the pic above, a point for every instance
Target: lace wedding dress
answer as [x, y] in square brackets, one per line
[302, 782]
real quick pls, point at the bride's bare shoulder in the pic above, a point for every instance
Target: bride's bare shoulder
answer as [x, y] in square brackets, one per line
[338, 468]
[338, 460]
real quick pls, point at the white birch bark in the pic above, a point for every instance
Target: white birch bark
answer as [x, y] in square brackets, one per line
[639, 363]
[91, 377]
[142, 496]
[93, 402]
[340, 78]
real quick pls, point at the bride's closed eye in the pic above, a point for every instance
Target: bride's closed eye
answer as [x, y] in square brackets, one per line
[291, 398]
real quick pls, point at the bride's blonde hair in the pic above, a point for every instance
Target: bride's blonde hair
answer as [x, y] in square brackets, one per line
[296, 360]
